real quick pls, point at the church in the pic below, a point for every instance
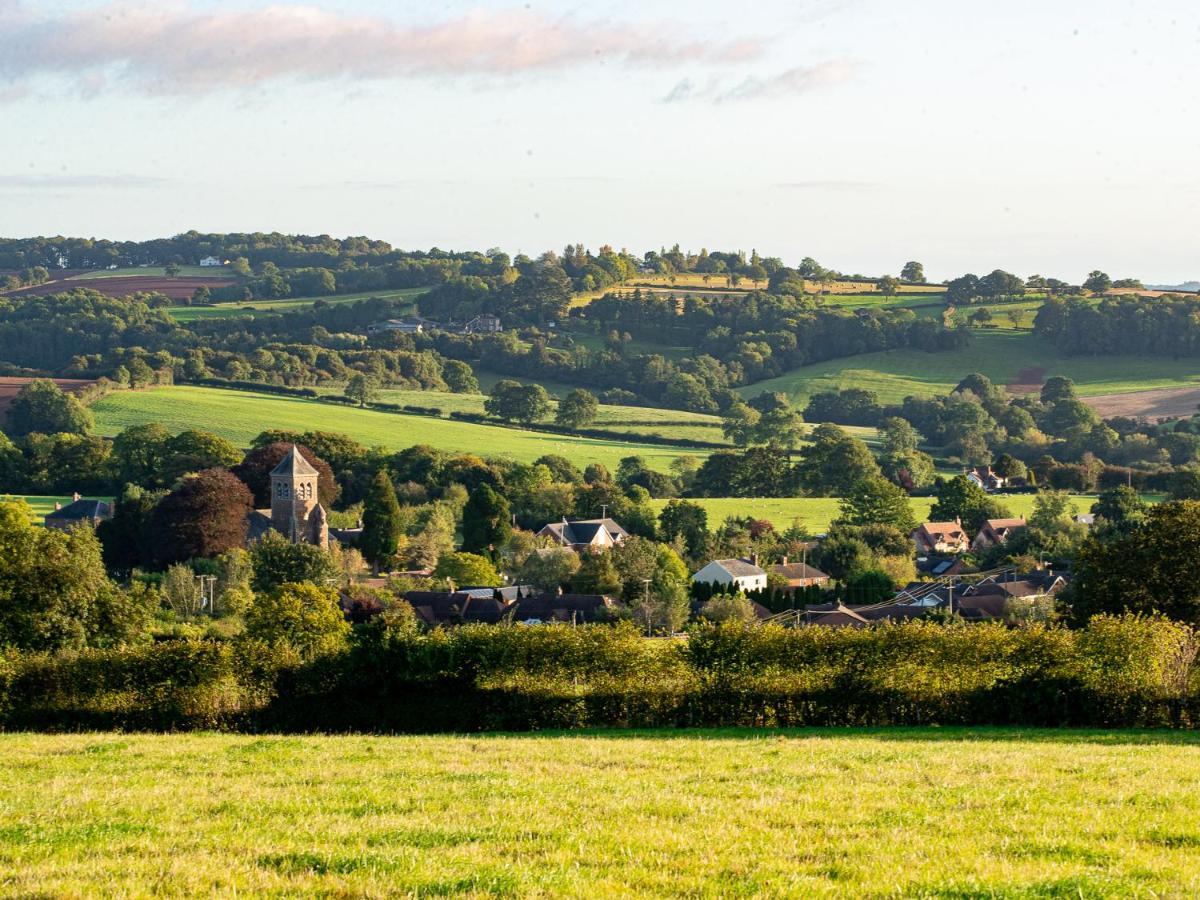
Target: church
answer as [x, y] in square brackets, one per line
[296, 511]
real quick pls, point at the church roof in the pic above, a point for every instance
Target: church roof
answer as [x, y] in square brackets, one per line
[294, 464]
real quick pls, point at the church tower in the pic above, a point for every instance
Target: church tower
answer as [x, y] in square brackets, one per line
[295, 511]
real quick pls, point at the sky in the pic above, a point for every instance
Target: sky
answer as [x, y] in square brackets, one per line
[1039, 137]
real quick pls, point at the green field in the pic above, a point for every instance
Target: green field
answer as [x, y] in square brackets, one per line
[42, 506]
[239, 416]
[1001, 354]
[873, 813]
[156, 272]
[816, 513]
[261, 307]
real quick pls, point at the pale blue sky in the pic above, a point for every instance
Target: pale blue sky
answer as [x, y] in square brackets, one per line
[1047, 137]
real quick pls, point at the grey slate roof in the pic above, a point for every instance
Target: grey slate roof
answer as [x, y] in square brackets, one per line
[294, 464]
[739, 568]
[82, 509]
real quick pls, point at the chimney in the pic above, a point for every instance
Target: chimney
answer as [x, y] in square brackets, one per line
[754, 559]
[784, 560]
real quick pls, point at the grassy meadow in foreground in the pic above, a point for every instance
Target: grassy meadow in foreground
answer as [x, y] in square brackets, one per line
[934, 813]
[240, 415]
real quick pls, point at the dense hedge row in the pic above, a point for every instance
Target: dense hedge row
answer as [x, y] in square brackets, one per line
[1115, 673]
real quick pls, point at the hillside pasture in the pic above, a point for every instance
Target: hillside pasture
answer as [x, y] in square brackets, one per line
[947, 812]
[1001, 354]
[817, 513]
[121, 286]
[155, 272]
[185, 314]
[241, 415]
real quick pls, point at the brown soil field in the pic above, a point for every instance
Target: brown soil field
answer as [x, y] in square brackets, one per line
[1155, 405]
[175, 288]
[10, 386]
[1028, 381]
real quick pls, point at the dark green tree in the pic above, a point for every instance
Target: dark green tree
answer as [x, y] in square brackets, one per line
[382, 525]
[486, 522]
[578, 409]
[42, 406]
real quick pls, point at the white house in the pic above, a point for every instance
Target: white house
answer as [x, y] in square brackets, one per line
[209, 261]
[744, 574]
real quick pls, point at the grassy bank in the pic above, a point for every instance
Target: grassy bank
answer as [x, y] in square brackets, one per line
[1001, 354]
[240, 415]
[945, 813]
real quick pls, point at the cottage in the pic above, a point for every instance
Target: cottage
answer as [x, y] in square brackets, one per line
[509, 604]
[799, 575]
[986, 478]
[744, 574]
[585, 534]
[408, 325]
[484, 324]
[210, 262]
[996, 531]
[941, 537]
[88, 512]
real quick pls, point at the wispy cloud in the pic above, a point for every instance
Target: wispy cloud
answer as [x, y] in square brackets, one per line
[172, 48]
[34, 181]
[793, 82]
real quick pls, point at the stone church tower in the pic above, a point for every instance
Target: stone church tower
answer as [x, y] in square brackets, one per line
[296, 512]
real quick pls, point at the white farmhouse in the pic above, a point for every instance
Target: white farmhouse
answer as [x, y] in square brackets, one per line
[744, 574]
[209, 262]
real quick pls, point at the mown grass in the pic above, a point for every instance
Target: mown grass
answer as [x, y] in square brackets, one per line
[41, 505]
[240, 416]
[1001, 354]
[816, 513]
[871, 813]
[291, 304]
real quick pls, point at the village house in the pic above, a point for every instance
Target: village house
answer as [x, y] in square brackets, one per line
[996, 531]
[585, 534]
[941, 538]
[517, 604]
[743, 574]
[89, 512]
[798, 575]
[482, 324]
[210, 261]
[984, 477]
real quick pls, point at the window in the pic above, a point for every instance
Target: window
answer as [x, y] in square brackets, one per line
[281, 490]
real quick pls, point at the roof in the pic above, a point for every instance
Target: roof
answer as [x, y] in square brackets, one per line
[294, 464]
[82, 509]
[797, 571]
[738, 568]
[1000, 524]
[944, 529]
[583, 531]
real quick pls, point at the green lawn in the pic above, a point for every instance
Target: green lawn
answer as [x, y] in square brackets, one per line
[873, 813]
[815, 513]
[1001, 354]
[260, 307]
[240, 415]
[42, 506]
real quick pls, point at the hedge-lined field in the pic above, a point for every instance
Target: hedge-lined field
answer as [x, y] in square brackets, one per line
[945, 813]
[1001, 354]
[291, 304]
[240, 415]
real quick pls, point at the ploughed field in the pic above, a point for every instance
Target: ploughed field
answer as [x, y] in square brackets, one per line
[930, 813]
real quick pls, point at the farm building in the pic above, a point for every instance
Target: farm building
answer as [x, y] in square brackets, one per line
[210, 262]
[91, 512]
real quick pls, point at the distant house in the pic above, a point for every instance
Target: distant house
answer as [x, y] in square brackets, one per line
[518, 604]
[941, 537]
[744, 574]
[485, 324]
[799, 575]
[984, 477]
[1088, 519]
[585, 534]
[407, 325]
[996, 531]
[89, 512]
[210, 261]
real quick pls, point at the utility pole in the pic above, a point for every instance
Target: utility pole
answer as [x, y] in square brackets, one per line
[646, 605]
